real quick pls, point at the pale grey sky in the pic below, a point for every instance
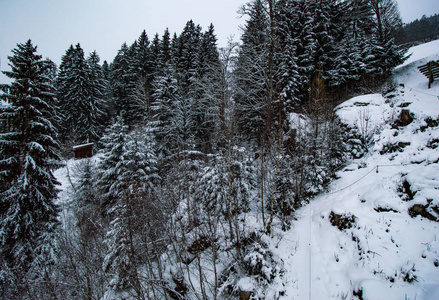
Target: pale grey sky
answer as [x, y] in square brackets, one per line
[103, 25]
[414, 9]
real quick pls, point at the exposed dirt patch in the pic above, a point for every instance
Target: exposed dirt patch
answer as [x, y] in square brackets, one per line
[343, 221]
[423, 211]
[385, 209]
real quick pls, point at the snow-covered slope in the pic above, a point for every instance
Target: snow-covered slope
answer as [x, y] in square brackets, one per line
[388, 246]
[421, 51]
[386, 204]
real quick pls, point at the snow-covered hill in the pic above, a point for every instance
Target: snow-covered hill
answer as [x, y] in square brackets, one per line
[386, 204]
[374, 234]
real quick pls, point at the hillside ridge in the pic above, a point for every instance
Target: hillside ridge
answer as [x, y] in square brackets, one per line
[374, 233]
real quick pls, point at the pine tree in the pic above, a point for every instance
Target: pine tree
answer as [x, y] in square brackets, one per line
[113, 143]
[251, 72]
[164, 55]
[173, 119]
[132, 74]
[155, 49]
[169, 125]
[174, 50]
[142, 62]
[359, 18]
[206, 75]
[328, 31]
[287, 76]
[120, 81]
[99, 101]
[181, 78]
[143, 67]
[28, 155]
[82, 93]
[63, 83]
[136, 177]
[106, 70]
[304, 41]
[188, 57]
[387, 26]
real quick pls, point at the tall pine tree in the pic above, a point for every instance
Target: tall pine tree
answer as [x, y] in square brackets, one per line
[82, 96]
[251, 72]
[28, 155]
[135, 175]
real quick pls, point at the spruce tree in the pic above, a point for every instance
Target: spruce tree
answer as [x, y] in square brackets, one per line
[142, 70]
[387, 26]
[82, 96]
[120, 80]
[62, 83]
[131, 78]
[142, 61]
[288, 76]
[164, 55]
[207, 74]
[251, 72]
[99, 101]
[188, 58]
[136, 176]
[304, 41]
[113, 143]
[28, 155]
[155, 49]
[167, 111]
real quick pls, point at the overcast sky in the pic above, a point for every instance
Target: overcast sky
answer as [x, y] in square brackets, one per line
[103, 25]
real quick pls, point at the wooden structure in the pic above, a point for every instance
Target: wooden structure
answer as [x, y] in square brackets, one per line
[83, 151]
[430, 70]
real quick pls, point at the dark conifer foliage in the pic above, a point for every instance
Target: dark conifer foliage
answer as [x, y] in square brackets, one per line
[169, 120]
[113, 143]
[155, 52]
[206, 75]
[82, 96]
[132, 74]
[99, 102]
[205, 150]
[121, 83]
[182, 107]
[143, 70]
[251, 71]
[421, 30]
[386, 31]
[28, 155]
[131, 160]
[63, 81]
[350, 41]
[164, 53]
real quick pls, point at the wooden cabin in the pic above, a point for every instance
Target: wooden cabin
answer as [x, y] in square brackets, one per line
[83, 151]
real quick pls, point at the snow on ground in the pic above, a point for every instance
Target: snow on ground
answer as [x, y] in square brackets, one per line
[421, 51]
[386, 254]
[68, 177]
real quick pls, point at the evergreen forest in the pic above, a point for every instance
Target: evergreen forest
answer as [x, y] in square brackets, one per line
[200, 151]
[421, 30]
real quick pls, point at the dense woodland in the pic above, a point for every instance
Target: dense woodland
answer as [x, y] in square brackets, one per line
[421, 30]
[200, 150]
